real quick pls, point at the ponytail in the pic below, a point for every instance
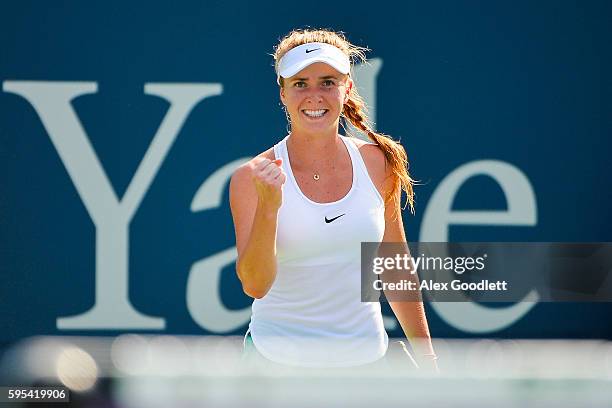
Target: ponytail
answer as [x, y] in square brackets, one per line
[394, 152]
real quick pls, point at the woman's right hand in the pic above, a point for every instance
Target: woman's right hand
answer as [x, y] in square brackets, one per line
[255, 198]
[268, 178]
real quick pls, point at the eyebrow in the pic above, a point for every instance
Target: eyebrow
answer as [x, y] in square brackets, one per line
[323, 77]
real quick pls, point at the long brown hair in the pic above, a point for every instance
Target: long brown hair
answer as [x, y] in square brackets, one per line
[354, 108]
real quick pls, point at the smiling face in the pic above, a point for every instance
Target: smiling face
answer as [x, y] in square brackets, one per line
[314, 98]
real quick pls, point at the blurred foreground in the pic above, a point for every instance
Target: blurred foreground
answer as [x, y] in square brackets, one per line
[168, 371]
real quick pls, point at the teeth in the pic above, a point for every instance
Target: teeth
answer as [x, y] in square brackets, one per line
[315, 113]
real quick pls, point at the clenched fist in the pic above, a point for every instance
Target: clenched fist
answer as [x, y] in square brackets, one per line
[268, 178]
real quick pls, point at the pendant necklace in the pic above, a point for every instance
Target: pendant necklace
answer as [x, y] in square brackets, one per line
[316, 176]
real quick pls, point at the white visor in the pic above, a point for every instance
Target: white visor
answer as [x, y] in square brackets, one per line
[304, 55]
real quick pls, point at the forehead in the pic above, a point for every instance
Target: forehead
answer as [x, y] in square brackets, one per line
[317, 70]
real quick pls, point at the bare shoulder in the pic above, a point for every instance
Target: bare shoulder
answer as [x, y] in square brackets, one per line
[375, 162]
[268, 154]
[371, 153]
[243, 173]
[242, 193]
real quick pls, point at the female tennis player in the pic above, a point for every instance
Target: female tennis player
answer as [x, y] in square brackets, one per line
[302, 208]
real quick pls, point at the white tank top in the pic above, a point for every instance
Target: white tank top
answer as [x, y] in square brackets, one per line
[313, 314]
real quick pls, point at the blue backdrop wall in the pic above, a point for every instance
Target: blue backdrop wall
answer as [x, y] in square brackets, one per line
[121, 123]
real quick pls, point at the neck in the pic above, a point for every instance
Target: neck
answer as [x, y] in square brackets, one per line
[313, 151]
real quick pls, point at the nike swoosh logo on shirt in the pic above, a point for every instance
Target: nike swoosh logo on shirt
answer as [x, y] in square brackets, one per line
[332, 219]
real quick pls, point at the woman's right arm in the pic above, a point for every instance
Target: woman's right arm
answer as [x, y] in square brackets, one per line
[255, 198]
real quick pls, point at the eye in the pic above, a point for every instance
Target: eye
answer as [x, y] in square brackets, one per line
[328, 83]
[299, 84]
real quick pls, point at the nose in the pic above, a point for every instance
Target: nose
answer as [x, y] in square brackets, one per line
[313, 94]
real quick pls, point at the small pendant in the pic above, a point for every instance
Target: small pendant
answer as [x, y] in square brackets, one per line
[316, 177]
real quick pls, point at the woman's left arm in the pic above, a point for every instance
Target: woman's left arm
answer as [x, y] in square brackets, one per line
[409, 313]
